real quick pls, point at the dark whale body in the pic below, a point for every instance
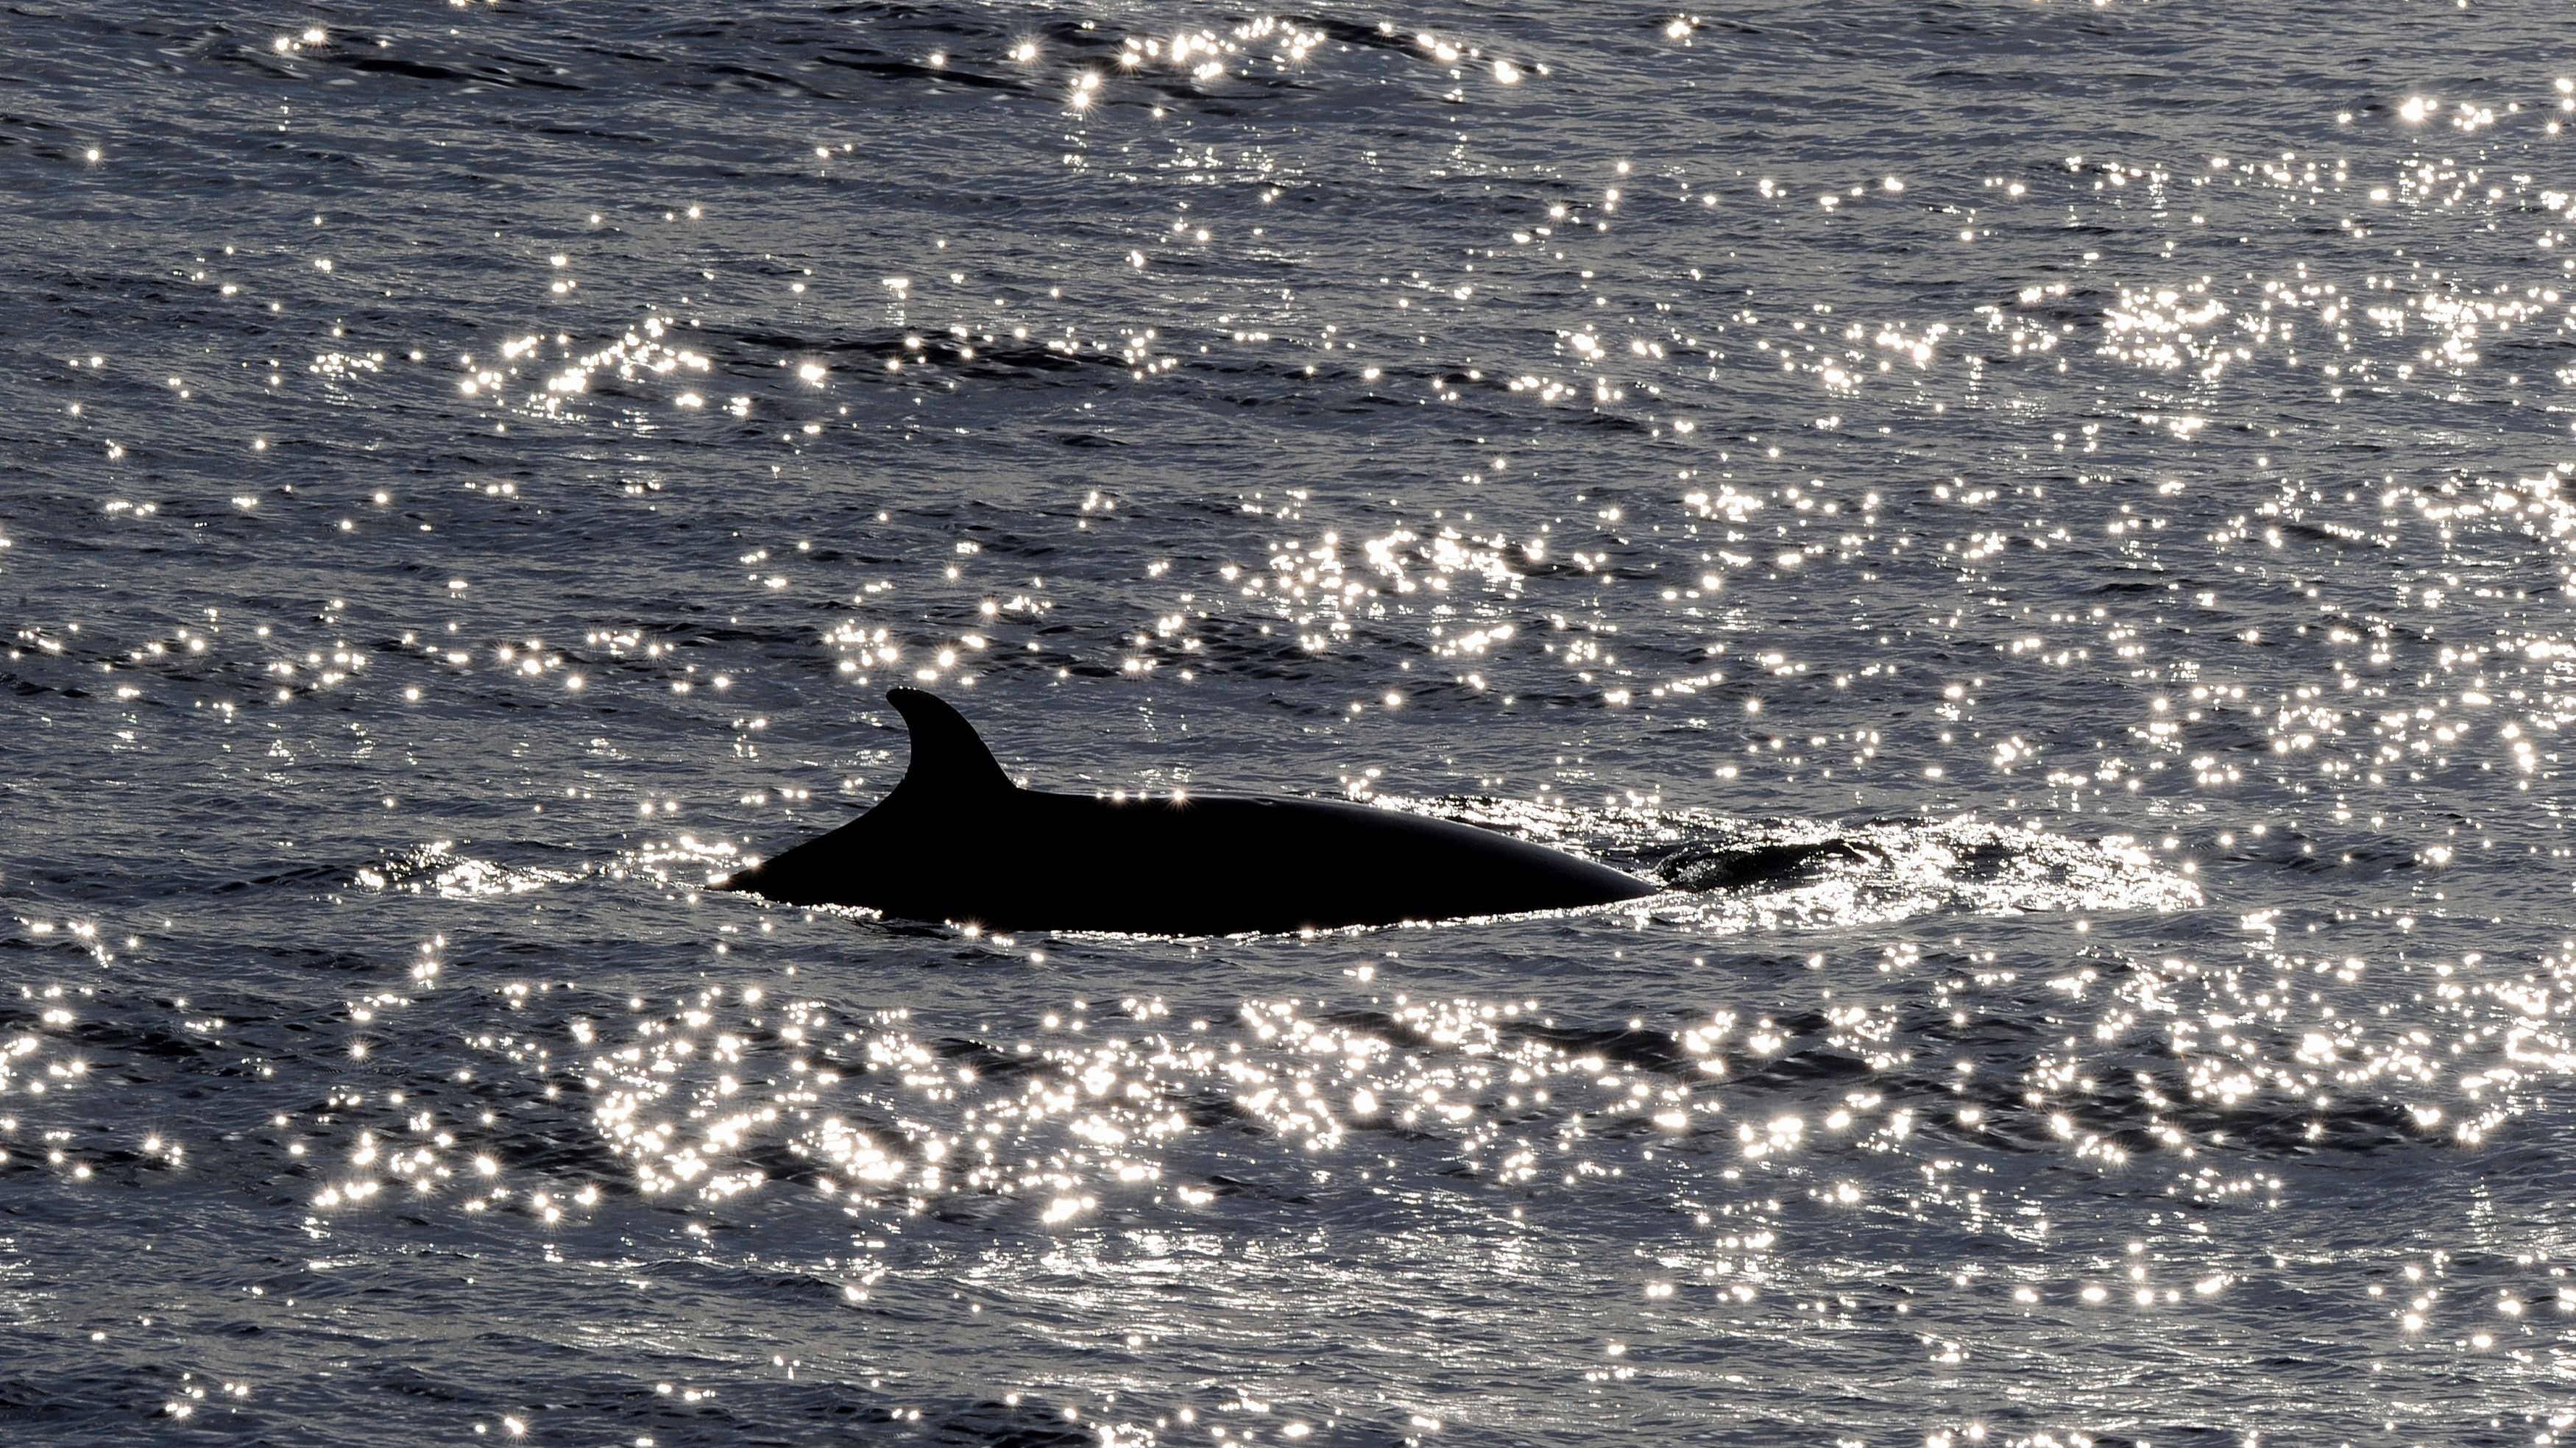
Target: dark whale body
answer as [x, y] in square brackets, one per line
[957, 841]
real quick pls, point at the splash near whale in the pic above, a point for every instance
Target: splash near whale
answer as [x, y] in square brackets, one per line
[957, 841]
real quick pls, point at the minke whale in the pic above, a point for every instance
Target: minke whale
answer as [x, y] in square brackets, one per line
[957, 841]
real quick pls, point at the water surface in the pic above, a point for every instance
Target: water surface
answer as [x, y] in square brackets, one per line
[2048, 523]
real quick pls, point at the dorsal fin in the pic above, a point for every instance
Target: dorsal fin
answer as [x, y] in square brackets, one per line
[949, 760]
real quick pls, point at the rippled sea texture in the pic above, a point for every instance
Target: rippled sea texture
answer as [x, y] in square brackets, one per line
[2050, 525]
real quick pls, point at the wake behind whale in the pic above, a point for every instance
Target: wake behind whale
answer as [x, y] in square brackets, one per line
[957, 841]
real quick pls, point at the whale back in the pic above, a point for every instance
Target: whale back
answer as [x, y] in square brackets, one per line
[957, 840]
[1224, 865]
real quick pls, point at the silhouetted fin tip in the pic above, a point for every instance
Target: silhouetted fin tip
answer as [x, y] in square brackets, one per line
[948, 756]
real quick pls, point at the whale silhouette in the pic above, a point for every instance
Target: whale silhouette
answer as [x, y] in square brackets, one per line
[956, 841]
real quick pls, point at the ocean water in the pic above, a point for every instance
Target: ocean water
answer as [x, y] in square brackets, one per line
[2048, 525]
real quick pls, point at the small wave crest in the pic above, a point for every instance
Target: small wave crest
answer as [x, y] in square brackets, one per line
[435, 868]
